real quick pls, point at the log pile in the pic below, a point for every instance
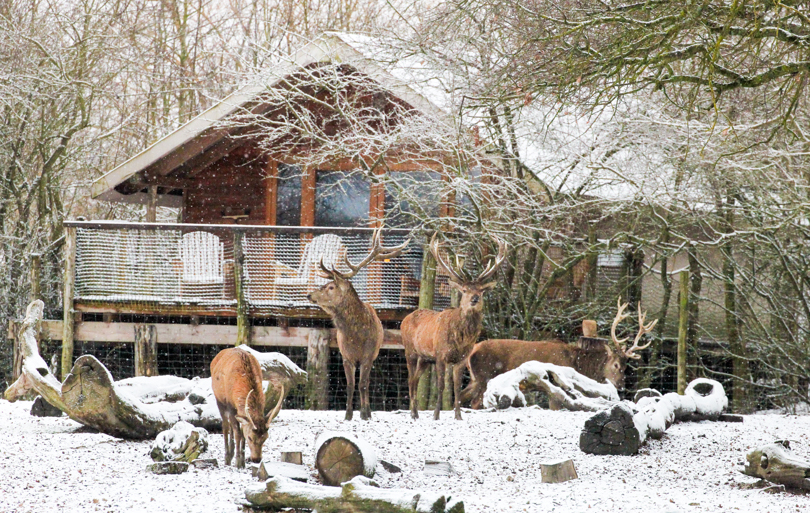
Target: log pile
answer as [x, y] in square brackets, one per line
[360, 495]
[136, 408]
[623, 428]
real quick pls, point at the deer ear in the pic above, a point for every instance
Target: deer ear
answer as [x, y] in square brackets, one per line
[245, 421]
[454, 285]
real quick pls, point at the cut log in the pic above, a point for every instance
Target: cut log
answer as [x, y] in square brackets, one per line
[564, 386]
[167, 467]
[294, 457]
[623, 428]
[558, 472]
[205, 463]
[777, 463]
[270, 469]
[438, 468]
[183, 442]
[390, 467]
[341, 456]
[360, 495]
[611, 432]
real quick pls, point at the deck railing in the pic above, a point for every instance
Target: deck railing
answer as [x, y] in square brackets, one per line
[195, 266]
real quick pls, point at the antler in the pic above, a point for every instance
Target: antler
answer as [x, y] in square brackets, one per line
[642, 330]
[378, 252]
[620, 316]
[455, 271]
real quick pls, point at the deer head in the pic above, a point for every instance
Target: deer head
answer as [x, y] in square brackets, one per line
[332, 294]
[472, 289]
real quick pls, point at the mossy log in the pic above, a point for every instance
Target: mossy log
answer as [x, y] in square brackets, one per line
[360, 495]
[134, 408]
[777, 463]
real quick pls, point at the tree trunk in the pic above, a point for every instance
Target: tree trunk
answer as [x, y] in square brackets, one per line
[318, 370]
[146, 350]
[683, 326]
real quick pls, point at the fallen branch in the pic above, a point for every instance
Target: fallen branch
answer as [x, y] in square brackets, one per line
[359, 495]
[566, 388]
[135, 408]
[623, 429]
[776, 463]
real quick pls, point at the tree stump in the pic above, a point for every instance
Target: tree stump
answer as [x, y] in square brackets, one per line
[611, 432]
[777, 464]
[340, 456]
[558, 472]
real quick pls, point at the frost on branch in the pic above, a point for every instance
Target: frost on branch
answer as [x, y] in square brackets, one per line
[566, 388]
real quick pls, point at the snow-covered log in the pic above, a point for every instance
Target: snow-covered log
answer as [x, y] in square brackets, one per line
[622, 429]
[136, 408]
[565, 387]
[777, 463]
[340, 457]
[183, 442]
[358, 495]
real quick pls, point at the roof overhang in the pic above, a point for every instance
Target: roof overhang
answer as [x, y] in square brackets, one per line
[205, 130]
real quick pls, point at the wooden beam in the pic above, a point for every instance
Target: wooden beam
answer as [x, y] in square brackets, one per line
[271, 192]
[200, 334]
[308, 182]
[245, 228]
[145, 350]
[151, 205]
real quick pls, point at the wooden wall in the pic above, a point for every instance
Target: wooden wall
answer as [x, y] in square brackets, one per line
[233, 186]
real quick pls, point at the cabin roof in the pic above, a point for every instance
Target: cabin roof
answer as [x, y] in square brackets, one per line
[403, 78]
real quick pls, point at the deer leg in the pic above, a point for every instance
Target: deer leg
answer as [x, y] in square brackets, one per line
[348, 368]
[458, 372]
[228, 436]
[478, 395]
[365, 381]
[440, 368]
[240, 444]
[416, 366]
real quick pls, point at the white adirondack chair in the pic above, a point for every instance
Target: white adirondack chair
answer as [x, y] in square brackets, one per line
[328, 247]
[202, 257]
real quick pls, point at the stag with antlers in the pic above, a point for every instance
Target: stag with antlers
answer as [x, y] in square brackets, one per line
[620, 350]
[446, 338]
[359, 331]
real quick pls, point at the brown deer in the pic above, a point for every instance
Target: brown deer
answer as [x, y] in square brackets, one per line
[359, 331]
[446, 338]
[236, 378]
[594, 359]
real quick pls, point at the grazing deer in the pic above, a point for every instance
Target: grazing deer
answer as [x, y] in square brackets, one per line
[236, 378]
[446, 338]
[359, 331]
[595, 359]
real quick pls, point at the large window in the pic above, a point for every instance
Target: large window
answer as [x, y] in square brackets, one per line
[410, 196]
[341, 199]
[288, 198]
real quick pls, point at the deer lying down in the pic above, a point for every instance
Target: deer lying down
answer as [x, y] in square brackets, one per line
[236, 378]
[596, 360]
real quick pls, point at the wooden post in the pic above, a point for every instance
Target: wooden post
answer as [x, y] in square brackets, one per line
[67, 301]
[36, 272]
[683, 321]
[427, 288]
[151, 205]
[146, 350]
[318, 370]
[242, 319]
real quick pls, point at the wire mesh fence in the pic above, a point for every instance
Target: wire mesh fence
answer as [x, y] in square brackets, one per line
[182, 267]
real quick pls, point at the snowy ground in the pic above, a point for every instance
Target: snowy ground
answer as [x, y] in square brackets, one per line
[53, 465]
